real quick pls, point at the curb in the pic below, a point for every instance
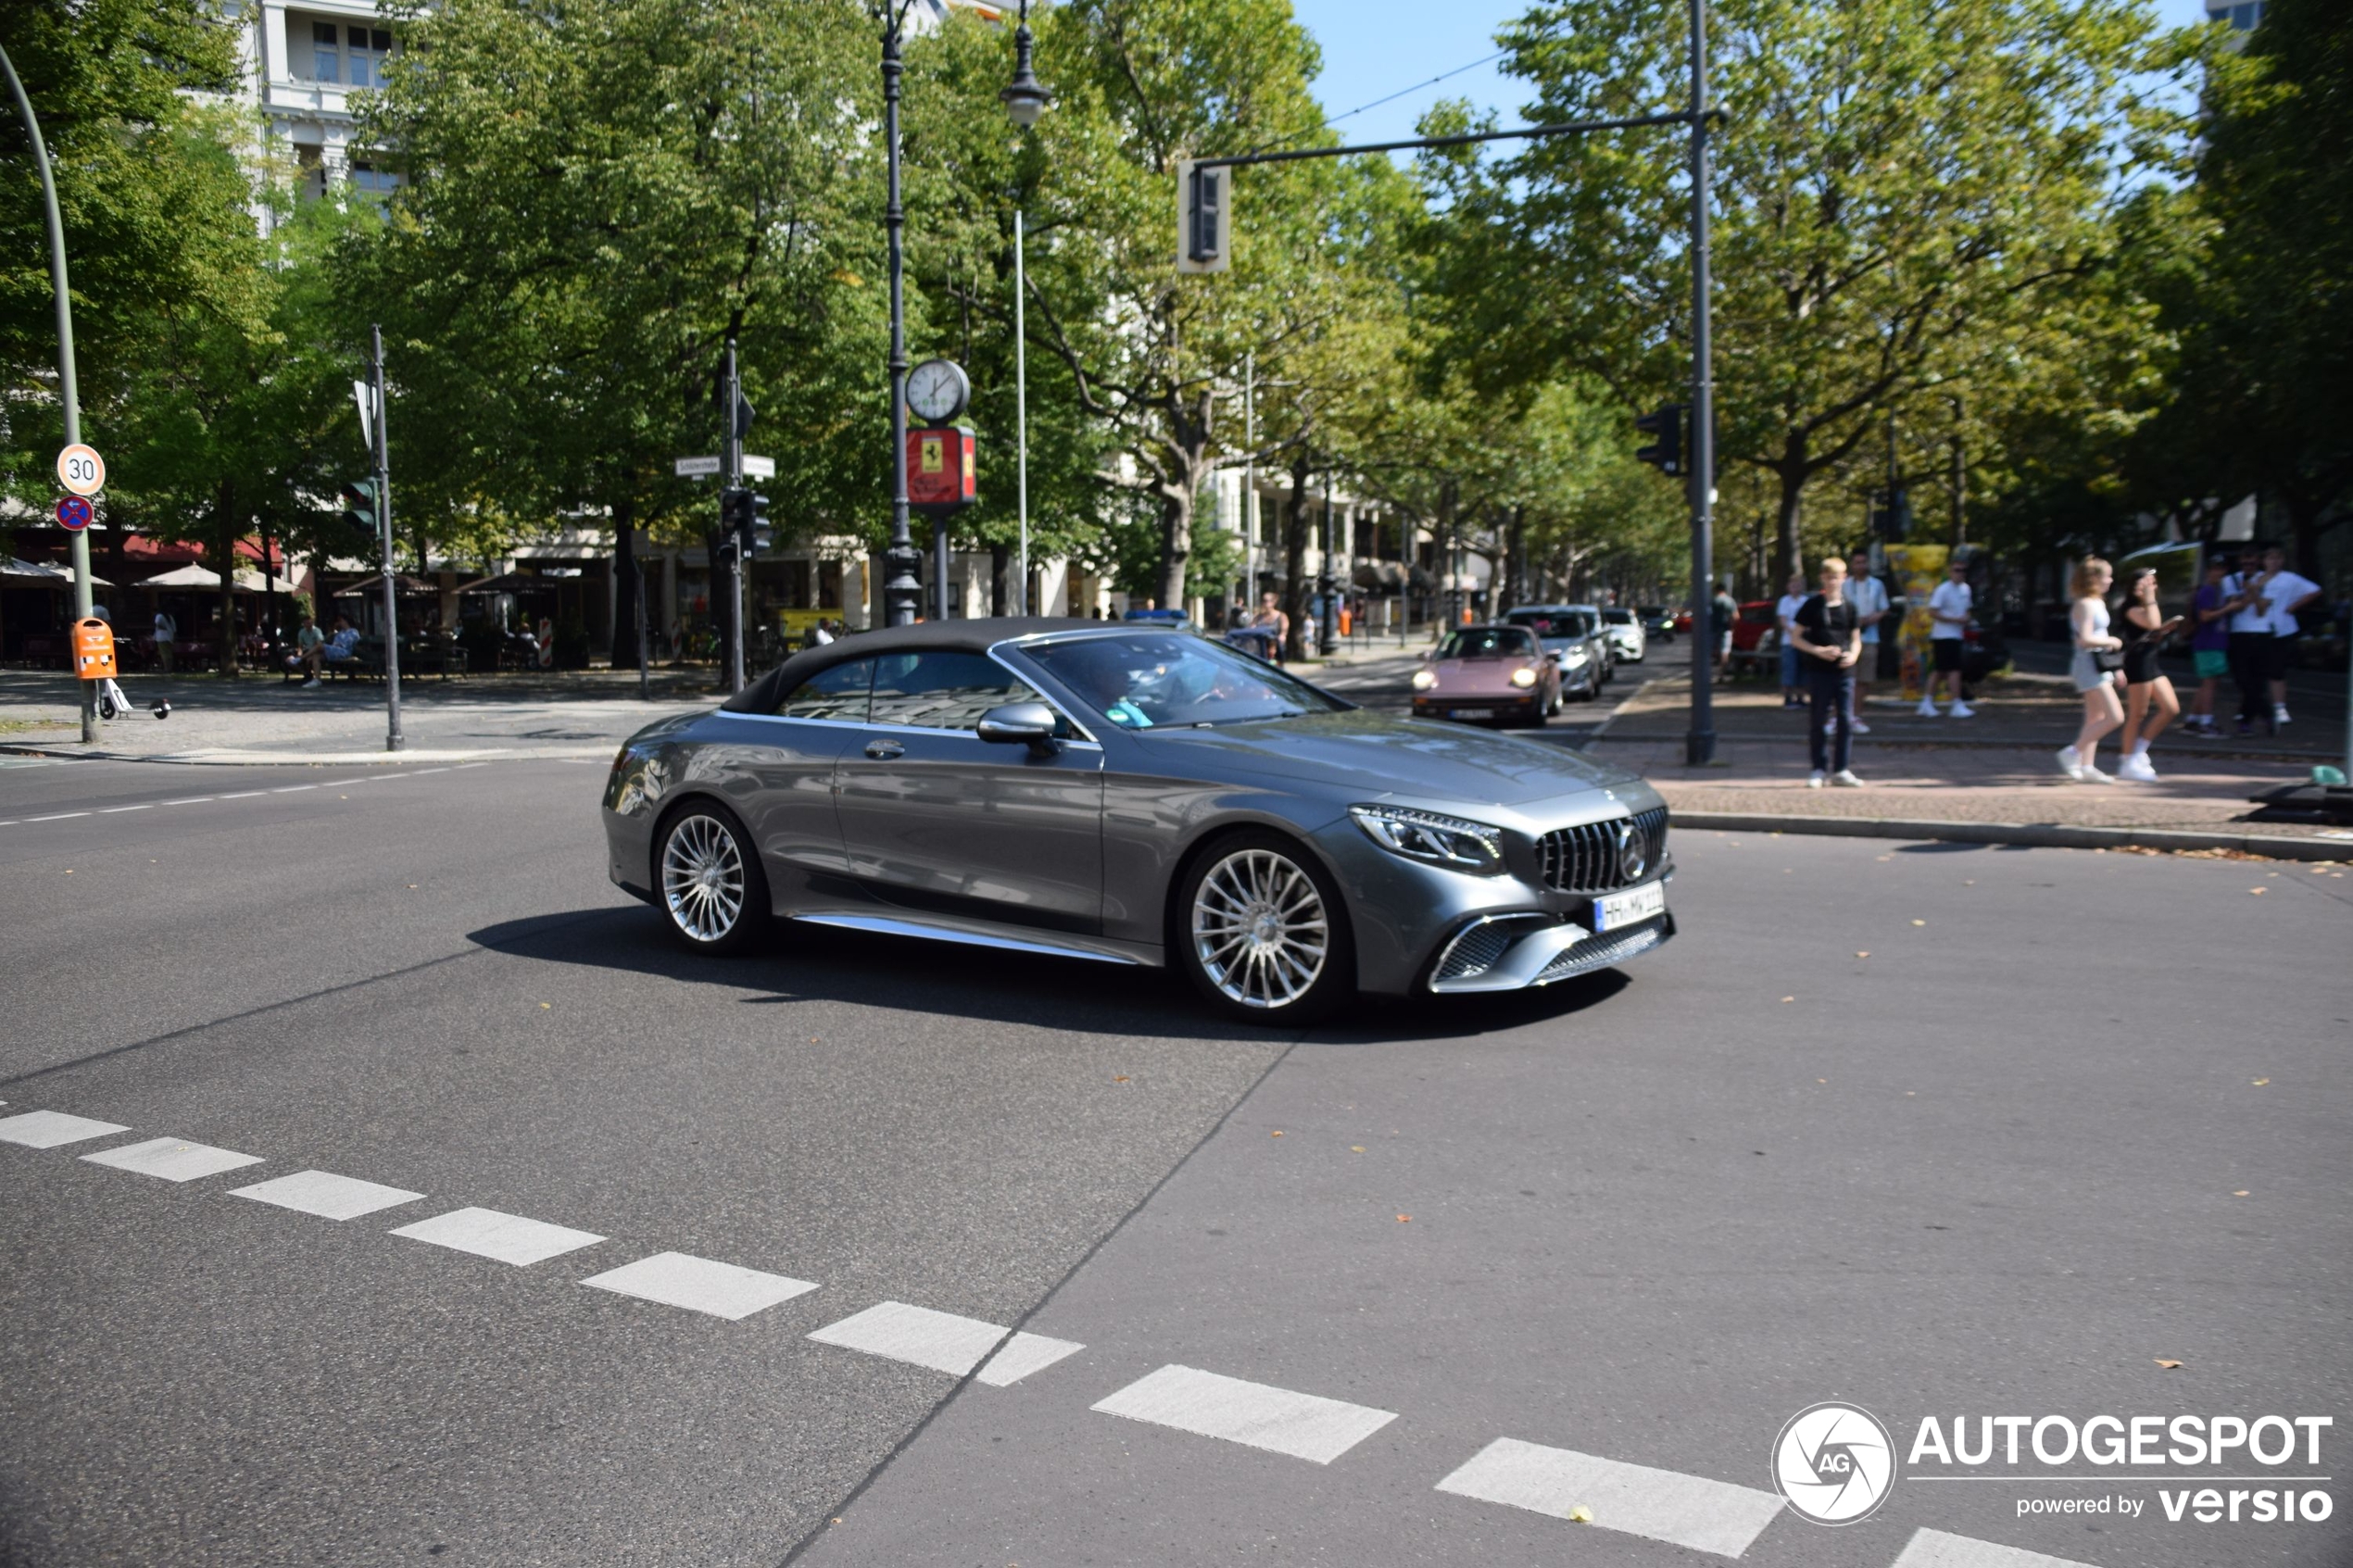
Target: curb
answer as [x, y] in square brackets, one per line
[1924, 743]
[2042, 835]
[224, 758]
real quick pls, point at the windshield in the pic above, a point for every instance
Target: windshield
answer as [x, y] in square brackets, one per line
[1153, 680]
[1489, 642]
[1551, 623]
[1618, 616]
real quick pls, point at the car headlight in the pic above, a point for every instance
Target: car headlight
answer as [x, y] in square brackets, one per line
[1434, 840]
[1576, 654]
[1425, 679]
[1524, 676]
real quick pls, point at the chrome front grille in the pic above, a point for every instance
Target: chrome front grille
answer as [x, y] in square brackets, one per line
[1585, 858]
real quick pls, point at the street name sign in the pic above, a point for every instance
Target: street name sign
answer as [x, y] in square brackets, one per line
[759, 468]
[698, 467]
[80, 469]
[73, 513]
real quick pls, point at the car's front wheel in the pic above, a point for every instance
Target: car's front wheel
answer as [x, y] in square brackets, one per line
[709, 877]
[1262, 932]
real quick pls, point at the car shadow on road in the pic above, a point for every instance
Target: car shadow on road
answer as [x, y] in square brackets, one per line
[803, 963]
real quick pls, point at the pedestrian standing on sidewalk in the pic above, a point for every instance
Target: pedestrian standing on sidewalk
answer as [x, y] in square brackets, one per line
[2097, 658]
[2250, 645]
[1868, 596]
[1948, 609]
[1829, 636]
[167, 632]
[2149, 702]
[2211, 614]
[1792, 600]
[2288, 593]
[1722, 611]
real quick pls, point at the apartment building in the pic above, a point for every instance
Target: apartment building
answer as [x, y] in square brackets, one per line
[302, 64]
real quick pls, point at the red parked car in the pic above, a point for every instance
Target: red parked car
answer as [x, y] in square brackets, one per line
[1756, 636]
[1499, 674]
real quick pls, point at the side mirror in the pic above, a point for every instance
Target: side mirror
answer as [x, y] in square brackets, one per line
[1019, 723]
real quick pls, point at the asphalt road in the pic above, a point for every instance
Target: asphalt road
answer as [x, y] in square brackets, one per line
[1991, 1169]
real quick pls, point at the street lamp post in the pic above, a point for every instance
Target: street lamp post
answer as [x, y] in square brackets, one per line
[901, 592]
[69, 398]
[1025, 99]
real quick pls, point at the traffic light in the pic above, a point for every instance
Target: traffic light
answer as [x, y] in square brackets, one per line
[359, 508]
[1665, 426]
[759, 534]
[744, 528]
[1204, 219]
[733, 505]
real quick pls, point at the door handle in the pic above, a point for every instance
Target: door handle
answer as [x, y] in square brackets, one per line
[884, 750]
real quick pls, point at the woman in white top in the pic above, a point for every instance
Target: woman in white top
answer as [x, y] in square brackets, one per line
[1785, 617]
[2088, 618]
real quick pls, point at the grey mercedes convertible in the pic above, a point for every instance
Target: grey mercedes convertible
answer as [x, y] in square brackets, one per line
[1135, 796]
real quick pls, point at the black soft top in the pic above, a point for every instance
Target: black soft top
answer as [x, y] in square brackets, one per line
[957, 636]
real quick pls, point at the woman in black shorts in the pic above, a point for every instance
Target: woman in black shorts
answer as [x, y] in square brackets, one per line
[2146, 690]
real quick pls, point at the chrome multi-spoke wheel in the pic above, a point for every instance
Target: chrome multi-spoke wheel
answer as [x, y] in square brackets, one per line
[1260, 929]
[707, 883]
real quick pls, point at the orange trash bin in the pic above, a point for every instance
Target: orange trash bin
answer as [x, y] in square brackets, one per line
[94, 649]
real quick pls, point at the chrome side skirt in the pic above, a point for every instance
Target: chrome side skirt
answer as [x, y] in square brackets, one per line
[1047, 943]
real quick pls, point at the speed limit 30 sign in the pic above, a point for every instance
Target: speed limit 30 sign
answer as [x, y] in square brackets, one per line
[80, 469]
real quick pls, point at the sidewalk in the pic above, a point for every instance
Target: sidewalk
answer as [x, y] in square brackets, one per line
[261, 719]
[1996, 769]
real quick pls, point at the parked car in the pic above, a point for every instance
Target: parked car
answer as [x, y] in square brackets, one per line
[1551, 623]
[1133, 796]
[1657, 621]
[1580, 664]
[1500, 674]
[1624, 634]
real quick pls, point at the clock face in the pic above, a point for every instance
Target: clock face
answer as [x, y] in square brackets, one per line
[937, 390]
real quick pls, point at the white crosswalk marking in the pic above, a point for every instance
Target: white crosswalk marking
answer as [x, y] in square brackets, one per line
[1686, 1510]
[1304, 1426]
[1934, 1549]
[1024, 1354]
[942, 1341]
[699, 1284]
[325, 1194]
[510, 1238]
[47, 1129]
[173, 1160]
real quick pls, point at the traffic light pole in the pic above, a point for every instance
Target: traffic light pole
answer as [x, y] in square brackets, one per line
[1699, 744]
[68, 396]
[394, 740]
[734, 482]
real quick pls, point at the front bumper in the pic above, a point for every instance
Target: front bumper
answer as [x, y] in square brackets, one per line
[1514, 952]
[1437, 705]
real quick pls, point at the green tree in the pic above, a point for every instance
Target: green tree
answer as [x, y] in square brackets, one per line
[1902, 192]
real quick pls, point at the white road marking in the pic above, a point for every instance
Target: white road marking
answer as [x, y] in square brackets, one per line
[699, 1284]
[1934, 1549]
[510, 1238]
[1661, 1505]
[421, 772]
[173, 1160]
[463, 766]
[293, 789]
[59, 817]
[47, 1129]
[192, 800]
[1304, 1426]
[112, 809]
[942, 1341]
[244, 794]
[1024, 1354]
[325, 1194]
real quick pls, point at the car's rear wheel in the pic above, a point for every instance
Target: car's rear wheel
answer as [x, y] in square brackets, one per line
[707, 876]
[1261, 931]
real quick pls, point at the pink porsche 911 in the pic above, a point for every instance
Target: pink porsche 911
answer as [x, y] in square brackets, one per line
[1495, 674]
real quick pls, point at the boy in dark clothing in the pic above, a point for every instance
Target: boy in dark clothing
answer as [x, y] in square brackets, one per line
[1830, 639]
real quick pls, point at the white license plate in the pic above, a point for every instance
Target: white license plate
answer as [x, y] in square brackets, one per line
[1469, 713]
[1614, 910]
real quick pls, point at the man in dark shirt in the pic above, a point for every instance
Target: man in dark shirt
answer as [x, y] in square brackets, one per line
[1830, 639]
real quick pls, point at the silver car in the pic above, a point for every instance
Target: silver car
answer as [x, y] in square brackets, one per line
[1135, 796]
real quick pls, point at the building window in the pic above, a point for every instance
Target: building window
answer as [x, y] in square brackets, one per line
[353, 55]
[373, 184]
[2244, 16]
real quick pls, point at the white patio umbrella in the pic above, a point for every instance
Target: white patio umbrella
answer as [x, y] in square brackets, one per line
[189, 576]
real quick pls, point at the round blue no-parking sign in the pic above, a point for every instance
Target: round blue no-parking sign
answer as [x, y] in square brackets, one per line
[73, 513]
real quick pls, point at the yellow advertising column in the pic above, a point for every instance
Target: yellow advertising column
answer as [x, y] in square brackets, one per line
[1920, 568]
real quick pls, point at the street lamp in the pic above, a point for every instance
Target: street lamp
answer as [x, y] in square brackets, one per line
[1026, 98]
[901, 590]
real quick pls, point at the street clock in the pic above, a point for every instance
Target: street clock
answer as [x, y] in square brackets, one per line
[938, 390]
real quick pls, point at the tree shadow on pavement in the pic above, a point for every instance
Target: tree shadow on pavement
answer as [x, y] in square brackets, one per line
[816, 963]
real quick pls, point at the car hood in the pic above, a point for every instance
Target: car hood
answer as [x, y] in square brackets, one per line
[1477, 675]
[1372, 757]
